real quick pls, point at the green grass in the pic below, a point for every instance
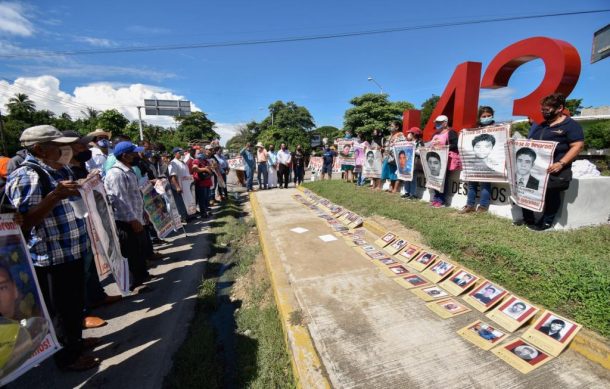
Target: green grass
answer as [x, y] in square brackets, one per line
[263, 361]
[568, 272]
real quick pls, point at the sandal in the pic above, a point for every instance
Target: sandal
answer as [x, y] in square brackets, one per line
[84, 362]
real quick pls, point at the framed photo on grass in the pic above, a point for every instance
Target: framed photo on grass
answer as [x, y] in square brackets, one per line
[513, 313]
[459, 282]
[397, 245]
[447, 308]
[439, 271]
[521, 355]
[482, 334]
[409, 253]
[552, 333]
[430, 293]
[485, 296]
[411, 281]
[386, 239]
[423, 260]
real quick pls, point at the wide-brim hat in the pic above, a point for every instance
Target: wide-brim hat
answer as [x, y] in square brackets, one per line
[42, 134]
[100, 132]
[259, 144]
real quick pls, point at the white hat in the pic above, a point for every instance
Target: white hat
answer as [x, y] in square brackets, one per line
[259, 144]
[100, 132]
[208, 147]
[441, 118]
[44, 133]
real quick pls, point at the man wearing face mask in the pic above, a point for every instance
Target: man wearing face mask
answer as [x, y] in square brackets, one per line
[41, 190]
[569, 136]
[99, 152]
[121, 184]
[202, 175]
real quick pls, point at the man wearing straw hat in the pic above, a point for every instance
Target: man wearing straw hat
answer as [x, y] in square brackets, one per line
[261, 160]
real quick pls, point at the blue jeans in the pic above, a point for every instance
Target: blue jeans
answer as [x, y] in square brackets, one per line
[262, 170]
[203, 198]
[438, 196]
[249, 177]
[485, 194]
[411, 186]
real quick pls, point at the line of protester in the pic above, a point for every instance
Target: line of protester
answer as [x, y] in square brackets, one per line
[41, 184]
[557, 126]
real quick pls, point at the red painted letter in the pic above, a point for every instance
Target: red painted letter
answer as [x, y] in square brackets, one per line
[561, 61]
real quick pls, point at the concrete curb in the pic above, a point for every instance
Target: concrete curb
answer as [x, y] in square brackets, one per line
[306, 363]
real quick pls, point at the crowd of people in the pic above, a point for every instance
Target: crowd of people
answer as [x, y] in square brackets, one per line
[40, 185]
[557, 126]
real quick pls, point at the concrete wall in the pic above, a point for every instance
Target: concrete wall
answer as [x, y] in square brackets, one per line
[585, 203]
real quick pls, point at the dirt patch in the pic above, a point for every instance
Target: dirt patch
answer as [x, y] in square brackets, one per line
[395, 226]
[254, 280]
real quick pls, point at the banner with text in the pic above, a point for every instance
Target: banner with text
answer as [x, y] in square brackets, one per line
[237, 163]
[483, 153]
[373, 161]
[434, 161]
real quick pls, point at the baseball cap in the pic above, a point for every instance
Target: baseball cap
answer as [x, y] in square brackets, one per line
[177, 150]
[85, 140]
[441, 118]
[414, 130]
[44, 133]
[208, 147]
[126, 147]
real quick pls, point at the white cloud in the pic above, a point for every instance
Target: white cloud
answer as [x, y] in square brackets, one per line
[98, 42]
[227, 130]
[13, 22]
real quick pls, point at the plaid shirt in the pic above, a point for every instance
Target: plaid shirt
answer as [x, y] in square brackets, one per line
[121, 184]
[61, 237]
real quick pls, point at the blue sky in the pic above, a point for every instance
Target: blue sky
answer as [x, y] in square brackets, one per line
[232, 84]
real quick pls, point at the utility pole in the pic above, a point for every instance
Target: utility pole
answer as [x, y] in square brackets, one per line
[140, 123]
[2, 136]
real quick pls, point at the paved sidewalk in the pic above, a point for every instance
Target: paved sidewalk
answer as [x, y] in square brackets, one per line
[372, 333]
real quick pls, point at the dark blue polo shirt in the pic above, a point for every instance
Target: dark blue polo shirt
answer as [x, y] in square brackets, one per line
[564, 133]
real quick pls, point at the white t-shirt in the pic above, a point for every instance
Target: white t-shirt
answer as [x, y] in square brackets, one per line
[178, 168]
[98, 158]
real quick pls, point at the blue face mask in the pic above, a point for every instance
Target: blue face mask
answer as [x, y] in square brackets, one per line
[487, 120]
[103, 143]
[200, 156]
[348, 136]
[438, 126]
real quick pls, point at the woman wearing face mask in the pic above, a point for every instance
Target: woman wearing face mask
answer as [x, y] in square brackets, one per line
[486, 118]
[413, 135]
[445, 135]
[560, 128]
[388, 169]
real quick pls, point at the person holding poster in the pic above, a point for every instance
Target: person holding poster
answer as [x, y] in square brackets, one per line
[41, 190]
[202, 175]
[359, 146]
[346, 153]
[389, 167]
[121, 185]
[176, 170]
[482, 146]
[328, 158]
[568, 134]
[444, 136]
[413, 135]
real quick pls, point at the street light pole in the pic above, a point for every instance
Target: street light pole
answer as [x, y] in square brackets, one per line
[140, 123]
[376, 83]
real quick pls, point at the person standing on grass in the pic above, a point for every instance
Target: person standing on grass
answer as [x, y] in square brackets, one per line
[272, 167]
[377, 143]
[348, 170]
[486, 118]
[388, 169]
[560, 128]
[262, 158]
[246, 154]
[284, 160]
[413, 135]
[328, 160]
[298, 163]
[444, 136]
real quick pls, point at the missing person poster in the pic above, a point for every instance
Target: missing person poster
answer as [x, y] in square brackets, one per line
[103, 235]
[157, 210]
[483, 153]
[513, 313]
[163, 187]
[373, 161]
[434, 160]
[447, 308]
[482, 334]
[315, 164]
[359, 153]
[346, 152]
[552, 333]
[405, 160]
[188, 194]
[521, 355]
[237, 164]
[27, 336]
[527, 171]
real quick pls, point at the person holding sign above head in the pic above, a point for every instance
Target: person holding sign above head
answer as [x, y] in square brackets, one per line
[444, 135]
[568, 134]
[482, 146]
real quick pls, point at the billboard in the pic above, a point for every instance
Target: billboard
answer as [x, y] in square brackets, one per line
[167, 107]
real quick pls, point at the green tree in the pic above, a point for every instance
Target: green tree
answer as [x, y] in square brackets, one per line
[426, 109]
[195, 127]
[373, 111]
[110, 120]
[20, 107]
[291, 136]
[246, 133]
[574, 106]
[64, 123]
[288, 115]
[597, 136]
[329, 132]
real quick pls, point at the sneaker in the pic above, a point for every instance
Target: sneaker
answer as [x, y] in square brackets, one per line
[539, 227]
[467, 209]
[437, 204]
[405, 196]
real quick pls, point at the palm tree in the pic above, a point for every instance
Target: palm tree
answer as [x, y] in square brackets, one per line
[90, 113]
[20, 106]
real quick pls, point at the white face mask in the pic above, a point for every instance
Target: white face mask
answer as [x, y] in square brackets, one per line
[66, 155]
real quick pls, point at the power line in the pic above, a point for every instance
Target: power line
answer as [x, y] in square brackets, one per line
[187, 46]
